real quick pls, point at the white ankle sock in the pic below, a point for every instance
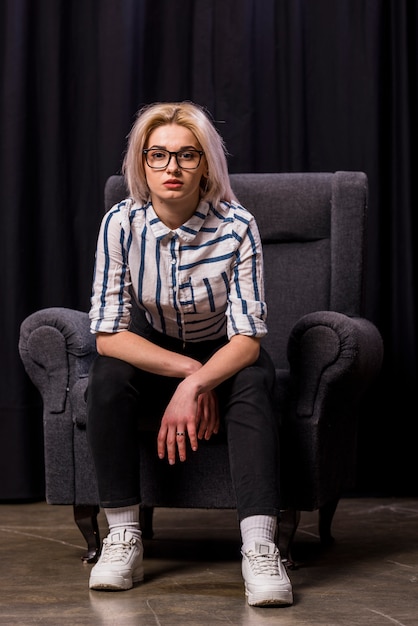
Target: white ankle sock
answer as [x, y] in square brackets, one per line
[258, 527]
[124, 517]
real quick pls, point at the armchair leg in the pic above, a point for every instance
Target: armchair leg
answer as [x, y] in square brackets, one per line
[287, 528]
[85, 516]
[326, 514]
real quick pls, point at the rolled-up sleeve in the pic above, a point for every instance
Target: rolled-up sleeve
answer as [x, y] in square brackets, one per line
[110, 299]
[247, 309]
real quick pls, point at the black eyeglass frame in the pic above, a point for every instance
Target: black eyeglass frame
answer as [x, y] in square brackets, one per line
[170, 154]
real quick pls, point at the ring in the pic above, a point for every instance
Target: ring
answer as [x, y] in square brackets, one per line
[180, 434]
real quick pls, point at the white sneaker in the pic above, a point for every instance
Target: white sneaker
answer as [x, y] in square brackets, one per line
[265, 577]
[120, 563]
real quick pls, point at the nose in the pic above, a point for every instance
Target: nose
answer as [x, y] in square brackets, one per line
[175, 166]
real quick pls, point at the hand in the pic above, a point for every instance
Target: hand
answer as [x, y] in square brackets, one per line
[186, 416]
[208, 415]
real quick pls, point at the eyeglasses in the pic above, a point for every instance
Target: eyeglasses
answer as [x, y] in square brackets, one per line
[159, 159]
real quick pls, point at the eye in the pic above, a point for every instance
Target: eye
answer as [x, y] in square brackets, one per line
[157, 155]
[188, 155]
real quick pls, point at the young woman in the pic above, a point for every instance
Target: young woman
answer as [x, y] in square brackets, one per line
[188, 256]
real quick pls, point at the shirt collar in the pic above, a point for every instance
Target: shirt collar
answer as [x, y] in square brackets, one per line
[187, 231]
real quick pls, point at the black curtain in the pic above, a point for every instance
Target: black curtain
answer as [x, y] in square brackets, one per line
[294, 85]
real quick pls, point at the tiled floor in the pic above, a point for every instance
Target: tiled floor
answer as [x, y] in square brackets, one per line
[369, 577]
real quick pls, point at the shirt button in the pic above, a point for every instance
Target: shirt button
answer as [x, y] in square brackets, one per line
[173, 261]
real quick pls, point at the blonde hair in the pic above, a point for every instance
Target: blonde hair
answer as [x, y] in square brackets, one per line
[215, 185]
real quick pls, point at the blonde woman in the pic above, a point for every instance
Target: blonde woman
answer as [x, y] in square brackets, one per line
[184, 254]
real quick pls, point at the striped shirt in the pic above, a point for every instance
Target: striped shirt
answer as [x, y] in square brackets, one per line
[201, 281]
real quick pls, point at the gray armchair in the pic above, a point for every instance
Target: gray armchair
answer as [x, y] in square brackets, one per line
[325, 353]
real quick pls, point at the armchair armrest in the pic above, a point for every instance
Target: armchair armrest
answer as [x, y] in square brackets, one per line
[333, 360]
[56, 348]
[332, 348]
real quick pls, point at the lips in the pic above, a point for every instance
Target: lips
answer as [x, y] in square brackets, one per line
[173, 183]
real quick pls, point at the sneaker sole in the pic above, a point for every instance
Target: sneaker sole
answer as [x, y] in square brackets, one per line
[115, 583]
[282, 598]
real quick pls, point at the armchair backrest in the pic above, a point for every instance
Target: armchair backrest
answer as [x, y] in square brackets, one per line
[313, 230]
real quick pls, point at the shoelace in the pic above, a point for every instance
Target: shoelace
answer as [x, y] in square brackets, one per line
[116, 550]
[264, 563]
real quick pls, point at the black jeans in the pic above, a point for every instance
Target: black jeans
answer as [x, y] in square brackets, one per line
[122, 400]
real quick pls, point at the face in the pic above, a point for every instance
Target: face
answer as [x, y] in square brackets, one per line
[172, 184]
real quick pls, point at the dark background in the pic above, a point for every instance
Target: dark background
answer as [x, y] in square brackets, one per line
[294, 85]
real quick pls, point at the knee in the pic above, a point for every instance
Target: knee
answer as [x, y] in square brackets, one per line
[109, 380]
[259, 376]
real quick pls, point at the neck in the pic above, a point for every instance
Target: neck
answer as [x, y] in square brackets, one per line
[173, 214]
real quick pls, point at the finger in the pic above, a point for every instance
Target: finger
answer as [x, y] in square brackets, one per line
[212, 420]
[204, 415]
[161, 442]
[181, 443]
[166, 444]
[191, 432]
[215, 418]
[202, 424]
